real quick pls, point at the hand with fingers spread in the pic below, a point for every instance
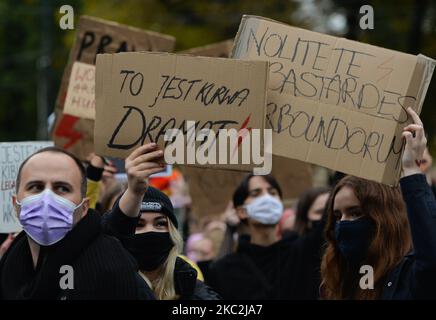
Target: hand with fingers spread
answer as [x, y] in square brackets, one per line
[140, 164]
[415, 145]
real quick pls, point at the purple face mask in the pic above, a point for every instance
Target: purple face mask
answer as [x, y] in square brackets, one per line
[47, 217]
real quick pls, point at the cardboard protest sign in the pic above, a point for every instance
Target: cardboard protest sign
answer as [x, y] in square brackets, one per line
[335, 102]
[139, 96]
[80, 99]
[211, 189]
[220, 50]
[12, 154]
[95, 36]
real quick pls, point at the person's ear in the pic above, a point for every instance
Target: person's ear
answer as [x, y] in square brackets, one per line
[79, 213]
[15, 204]
[242, 213]
[85, 206]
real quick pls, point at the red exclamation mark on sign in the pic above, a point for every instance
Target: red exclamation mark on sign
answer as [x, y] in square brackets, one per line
[242, 133]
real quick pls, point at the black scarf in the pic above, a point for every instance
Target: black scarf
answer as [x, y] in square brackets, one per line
[18, 278]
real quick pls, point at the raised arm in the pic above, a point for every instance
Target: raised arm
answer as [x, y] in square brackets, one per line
[144, 161]
[421, 210]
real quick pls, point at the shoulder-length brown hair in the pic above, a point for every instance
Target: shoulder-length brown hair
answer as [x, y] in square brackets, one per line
[391, 241]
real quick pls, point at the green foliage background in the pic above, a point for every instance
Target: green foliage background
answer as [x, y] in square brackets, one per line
[193, 23]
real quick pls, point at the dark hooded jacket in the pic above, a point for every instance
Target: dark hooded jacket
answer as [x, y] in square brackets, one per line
[116, 223]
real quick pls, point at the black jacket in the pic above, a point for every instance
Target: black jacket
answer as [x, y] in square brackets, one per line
[415, 276]
[116, 223]
[101, 267]
[187, 284]
[287, 269]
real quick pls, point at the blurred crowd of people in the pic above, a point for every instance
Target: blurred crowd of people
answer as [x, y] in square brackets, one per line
[130, 235]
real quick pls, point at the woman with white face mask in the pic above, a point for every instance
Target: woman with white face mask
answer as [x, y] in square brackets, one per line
[265, 267]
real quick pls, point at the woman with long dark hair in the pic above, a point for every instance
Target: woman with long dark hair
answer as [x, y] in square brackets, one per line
[382, 240]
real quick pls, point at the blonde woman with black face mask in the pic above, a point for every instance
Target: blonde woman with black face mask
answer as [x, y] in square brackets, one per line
[143, 219]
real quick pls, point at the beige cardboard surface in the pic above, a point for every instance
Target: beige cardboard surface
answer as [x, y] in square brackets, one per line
[141, 95]
[294, 176]
[212, 189]
[97, 36]
[80, 100]
[220, 50]
[335, 102]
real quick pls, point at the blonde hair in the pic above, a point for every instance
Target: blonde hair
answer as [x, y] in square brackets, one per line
[163, 286]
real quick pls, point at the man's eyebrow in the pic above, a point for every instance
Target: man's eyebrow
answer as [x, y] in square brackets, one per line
[65, 183]
[33, 181]
[256, 189]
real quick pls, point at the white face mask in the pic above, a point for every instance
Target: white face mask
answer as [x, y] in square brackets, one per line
[265, 209]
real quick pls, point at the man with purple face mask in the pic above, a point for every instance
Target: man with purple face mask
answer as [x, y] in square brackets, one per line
[60, 232]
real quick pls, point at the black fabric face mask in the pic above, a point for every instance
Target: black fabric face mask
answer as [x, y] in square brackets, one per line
[353, 238]
[150, 249]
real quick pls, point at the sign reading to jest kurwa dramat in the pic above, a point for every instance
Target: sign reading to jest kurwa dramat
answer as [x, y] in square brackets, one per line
[335, 102]
[139, 96]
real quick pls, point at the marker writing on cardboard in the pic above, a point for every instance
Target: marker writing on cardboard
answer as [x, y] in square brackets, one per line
[328, 131]
[89, 39]
[274, 45]
[346, 91]
[154, 129]
[341, 87]
[177, 88]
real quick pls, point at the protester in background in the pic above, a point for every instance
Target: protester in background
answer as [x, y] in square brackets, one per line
[60, 230]
[264, 267]
[98, 175]
[199, 247]
[236, 231]
[432, 174]
[143, 219]
[310, 208]
[110, 196]
[370, 225]
[286, 225]
[426, 166]
[215, 231]
[204, 246]
[335, 178]
[181, 200]
[5, 243]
